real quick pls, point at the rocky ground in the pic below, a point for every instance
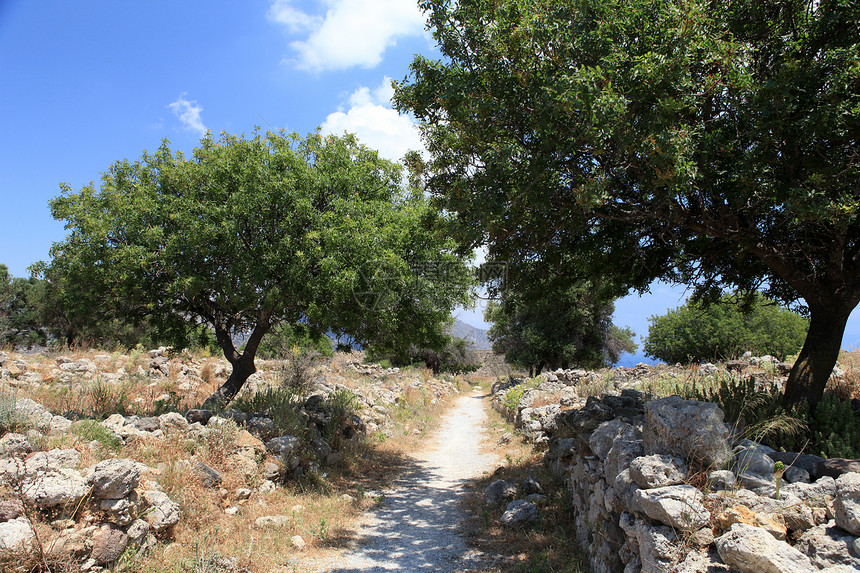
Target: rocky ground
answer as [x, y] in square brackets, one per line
[83, 490]
[105, 464]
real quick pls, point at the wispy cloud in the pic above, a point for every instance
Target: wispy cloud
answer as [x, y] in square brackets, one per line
[188, 113]
[350, 33]
[371, 118]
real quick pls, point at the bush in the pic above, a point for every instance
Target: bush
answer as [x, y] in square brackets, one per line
[455, 357]
[697, 332]
[282, 404]
[831, 431]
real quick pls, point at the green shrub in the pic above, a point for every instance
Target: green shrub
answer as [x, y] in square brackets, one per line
[91, 430]
[283, 404]
[833, 430]
[10, 419]
[836, 428]
[455, 357]
[695, 332]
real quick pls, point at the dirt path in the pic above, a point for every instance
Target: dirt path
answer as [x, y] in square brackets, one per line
[417, 528]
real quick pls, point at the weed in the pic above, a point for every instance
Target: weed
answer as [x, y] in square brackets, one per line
[11, 420]
[90, 430]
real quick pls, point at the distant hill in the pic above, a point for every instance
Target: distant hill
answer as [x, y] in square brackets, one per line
[476, 337]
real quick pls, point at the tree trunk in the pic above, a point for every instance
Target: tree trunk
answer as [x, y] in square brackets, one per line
[243, 364]
[818, 356]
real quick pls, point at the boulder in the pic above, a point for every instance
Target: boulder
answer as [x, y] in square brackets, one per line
[847, 503]
[59, 487]
[657, 471]
[172, 421]
[519, 511]
[283, 446]
[115, 478]
[751, 457]
[751, 549]
[835, 467]
[602, 439]
[829, 545]
[686, 428]
[499, 491]
[678, 506]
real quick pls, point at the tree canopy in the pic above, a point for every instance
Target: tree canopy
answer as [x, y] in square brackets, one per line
[724, 330]
[538, 324]
[251, 232]
[710, 142]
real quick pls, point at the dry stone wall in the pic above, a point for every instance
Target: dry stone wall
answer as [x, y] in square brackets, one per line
[663, 485]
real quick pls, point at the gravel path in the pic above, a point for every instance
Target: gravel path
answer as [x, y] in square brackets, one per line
[417, 528]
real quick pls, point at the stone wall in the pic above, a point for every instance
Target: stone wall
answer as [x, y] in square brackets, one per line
[663, 485]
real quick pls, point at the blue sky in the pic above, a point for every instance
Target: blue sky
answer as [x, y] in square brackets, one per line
[83, 84]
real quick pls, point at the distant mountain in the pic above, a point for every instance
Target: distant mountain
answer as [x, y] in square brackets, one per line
[476, 337]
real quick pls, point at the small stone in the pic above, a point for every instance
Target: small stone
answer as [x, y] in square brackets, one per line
[108, 544]
[267, 486]
[207, 475]
[242, 493]
[272, 521]
[232, 510]
[298, 543]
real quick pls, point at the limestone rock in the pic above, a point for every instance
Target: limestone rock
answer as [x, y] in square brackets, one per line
[829, 545]
[115, 478]
[272, 521]
[847, 503]
[678, 506]
[499, 491]
[57, 487]
[688, 429]
[753, 550]
[657, 471]
[172, 421]
[164, 513]
[519, 511]
[15, 534]
[10, 509]
[298, 543]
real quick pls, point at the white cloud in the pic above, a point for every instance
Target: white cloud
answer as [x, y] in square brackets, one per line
[188, 112]
[352, 32]
[283, 12]
[378, 126]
